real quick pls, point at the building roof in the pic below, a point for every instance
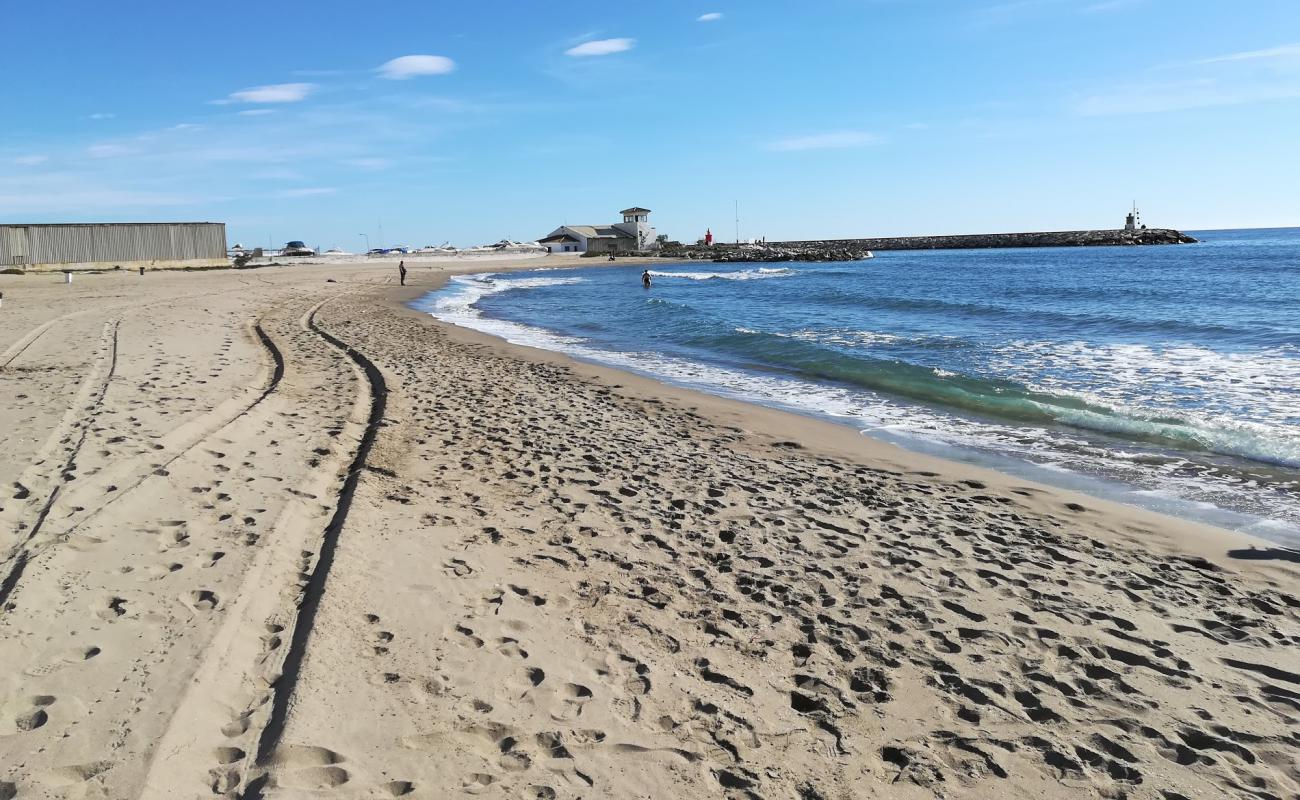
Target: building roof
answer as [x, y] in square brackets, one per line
[635, 210]
[95, 224]
[600, 231]
[560, 237]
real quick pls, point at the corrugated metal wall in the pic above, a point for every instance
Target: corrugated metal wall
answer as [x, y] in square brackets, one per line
[79, 244]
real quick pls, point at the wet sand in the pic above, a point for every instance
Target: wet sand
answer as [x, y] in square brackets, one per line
[272, 533]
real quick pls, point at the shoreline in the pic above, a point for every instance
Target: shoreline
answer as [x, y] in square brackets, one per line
[874, 447]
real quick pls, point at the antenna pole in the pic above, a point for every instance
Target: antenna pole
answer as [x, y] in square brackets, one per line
[737, 202]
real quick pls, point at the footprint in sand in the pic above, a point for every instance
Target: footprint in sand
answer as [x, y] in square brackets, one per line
[509, 647]
[111, 608]
[202, 600]
[315, 778]
[457, 568]
[74, 774]
[58, 661]
[26, 714]
[572, 697]
[476, 783]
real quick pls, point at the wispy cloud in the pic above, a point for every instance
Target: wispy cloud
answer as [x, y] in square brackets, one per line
[31, 161]
[1108, 5]
[256, 112]
[826, 141]
[314, 191]
[87, 199]
[102, 115]
[405, 67]
[601, 47]
[1011, 11]
[712, 16]
[273, 93]
[186, 126]
[369, 163]
[62, 192]
[1151, 98]
[110, 151]
[1283, 51]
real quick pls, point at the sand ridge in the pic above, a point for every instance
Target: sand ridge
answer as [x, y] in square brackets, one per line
[280, 538]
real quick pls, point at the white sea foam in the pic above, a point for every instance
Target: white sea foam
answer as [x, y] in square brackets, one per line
[1238, 408]
[738, 275]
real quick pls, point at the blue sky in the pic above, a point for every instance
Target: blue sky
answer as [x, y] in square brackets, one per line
[473, 122]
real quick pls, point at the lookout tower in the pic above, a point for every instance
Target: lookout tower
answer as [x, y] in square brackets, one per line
[636, 223]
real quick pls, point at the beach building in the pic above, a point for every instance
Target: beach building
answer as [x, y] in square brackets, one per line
[106, 245]
[632, 234]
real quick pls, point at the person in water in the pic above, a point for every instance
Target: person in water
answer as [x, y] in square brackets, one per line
[645, 279]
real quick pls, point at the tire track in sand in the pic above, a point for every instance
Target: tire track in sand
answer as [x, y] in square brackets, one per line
[16, 562]
[11, 354]
[316, 583]
[225, 728]
[209, 428]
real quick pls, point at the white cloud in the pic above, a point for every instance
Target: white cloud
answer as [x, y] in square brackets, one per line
[826, 141]
[712, 16]
[256, 112]
[1284, 51]
[314, 191]
[110, 151]
[369, 163]
[601, 47]
[274, 93]
[399, 69]
[276, 174]
[186, 126]
[1108, 5]
[1154, 98]
[30, 161]
[107, 198]
[102, 115]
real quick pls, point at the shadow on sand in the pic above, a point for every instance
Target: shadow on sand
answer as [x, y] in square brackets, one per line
[1267, 554]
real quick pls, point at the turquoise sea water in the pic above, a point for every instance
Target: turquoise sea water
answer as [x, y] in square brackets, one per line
[1163, 376]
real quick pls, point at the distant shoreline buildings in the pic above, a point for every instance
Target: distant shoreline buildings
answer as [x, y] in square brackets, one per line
[633, 234]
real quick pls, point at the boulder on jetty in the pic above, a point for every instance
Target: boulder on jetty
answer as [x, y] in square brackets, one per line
[855, 249]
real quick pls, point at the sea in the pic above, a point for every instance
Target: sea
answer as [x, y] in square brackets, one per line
[1166, 377]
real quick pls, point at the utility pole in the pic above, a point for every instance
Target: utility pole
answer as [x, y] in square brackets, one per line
[737, 202]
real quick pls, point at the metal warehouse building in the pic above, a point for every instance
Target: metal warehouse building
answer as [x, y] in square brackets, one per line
[115, 244]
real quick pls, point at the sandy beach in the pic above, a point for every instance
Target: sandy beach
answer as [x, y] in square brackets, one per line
[271, 533]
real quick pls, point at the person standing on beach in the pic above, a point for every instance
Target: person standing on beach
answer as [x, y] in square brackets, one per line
[401, 271]
[645, 279]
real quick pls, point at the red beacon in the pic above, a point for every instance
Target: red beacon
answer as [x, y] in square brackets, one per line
[708, 237]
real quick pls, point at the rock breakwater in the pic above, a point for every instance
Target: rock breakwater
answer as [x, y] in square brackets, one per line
[856, 249]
